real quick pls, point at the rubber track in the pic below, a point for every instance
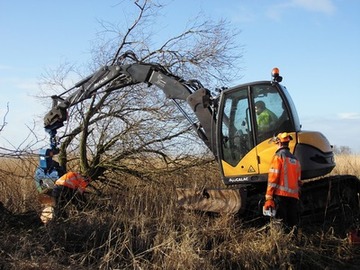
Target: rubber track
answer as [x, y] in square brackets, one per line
[332, 200]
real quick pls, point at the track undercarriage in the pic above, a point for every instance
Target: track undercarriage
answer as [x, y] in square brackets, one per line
[330, 201]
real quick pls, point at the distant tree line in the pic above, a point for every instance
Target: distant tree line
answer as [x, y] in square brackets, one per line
[342, 150]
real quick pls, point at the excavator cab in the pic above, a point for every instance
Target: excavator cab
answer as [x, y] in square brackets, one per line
[249, 117]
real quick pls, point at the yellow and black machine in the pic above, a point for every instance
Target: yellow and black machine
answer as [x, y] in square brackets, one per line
[230, 126]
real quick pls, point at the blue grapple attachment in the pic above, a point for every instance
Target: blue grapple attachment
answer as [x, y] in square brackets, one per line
[47, 172]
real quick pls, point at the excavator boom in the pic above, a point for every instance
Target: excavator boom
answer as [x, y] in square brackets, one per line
[111, 78]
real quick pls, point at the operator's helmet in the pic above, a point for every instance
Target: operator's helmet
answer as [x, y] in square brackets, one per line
[283, 138]
[260, 104]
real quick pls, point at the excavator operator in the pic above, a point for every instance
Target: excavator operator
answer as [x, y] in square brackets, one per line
[284, 183]
[266, 119]
[69, 188]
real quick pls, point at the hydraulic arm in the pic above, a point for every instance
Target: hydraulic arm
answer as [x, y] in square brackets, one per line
[114, 77]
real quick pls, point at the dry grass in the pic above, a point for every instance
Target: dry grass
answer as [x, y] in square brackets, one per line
[17, 189]
[140, 227]
[347, 164]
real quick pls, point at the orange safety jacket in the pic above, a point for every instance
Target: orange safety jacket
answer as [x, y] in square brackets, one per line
[284, 177]
[73, 180]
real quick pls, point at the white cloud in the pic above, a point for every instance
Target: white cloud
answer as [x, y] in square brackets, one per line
[349, 115]
[243, 14]
[322, 6]
[275, 12]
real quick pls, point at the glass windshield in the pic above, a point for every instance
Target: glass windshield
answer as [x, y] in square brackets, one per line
[271, 113]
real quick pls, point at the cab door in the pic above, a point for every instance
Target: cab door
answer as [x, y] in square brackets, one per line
[236, 136]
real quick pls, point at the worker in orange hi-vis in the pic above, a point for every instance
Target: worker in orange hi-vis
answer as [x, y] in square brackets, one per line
[284, 181]
[69, 188]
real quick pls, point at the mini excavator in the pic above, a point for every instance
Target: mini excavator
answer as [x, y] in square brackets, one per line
[227, 124]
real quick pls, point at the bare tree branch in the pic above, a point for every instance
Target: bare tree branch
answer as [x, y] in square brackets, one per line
[4, 123]
[112, 132]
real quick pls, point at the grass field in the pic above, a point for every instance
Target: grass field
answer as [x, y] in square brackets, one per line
[139, 226]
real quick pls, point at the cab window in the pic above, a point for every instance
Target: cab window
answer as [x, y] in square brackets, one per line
[271, 113]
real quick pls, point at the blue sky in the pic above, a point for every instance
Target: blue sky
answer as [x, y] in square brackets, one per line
[314, 43]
